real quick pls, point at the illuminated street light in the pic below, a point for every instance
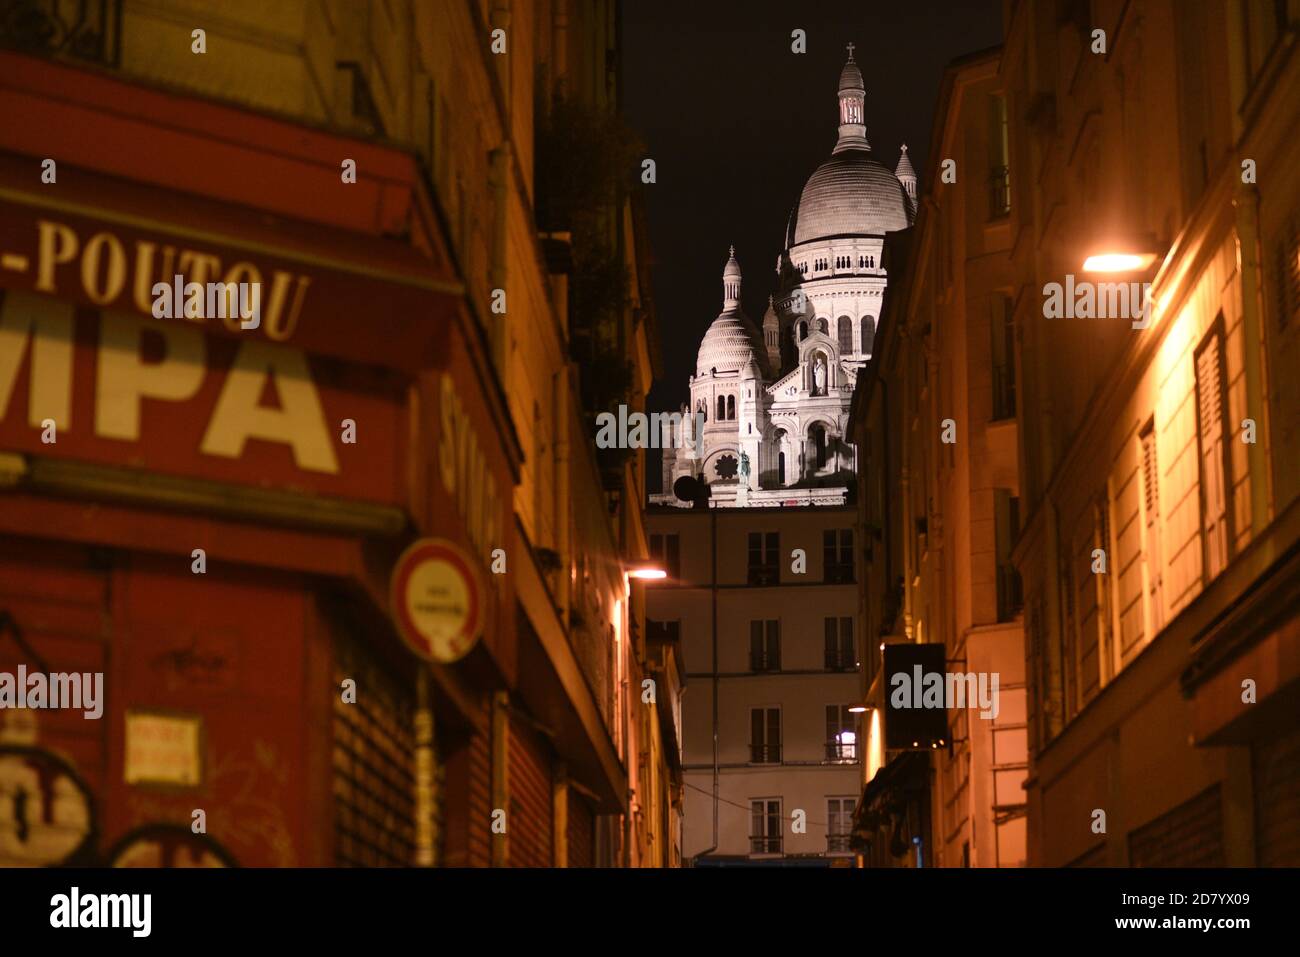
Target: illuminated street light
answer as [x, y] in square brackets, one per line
[647, 571]
[1119, 262]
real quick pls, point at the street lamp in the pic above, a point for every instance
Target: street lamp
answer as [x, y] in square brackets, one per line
[1123, 254]
[646, 570]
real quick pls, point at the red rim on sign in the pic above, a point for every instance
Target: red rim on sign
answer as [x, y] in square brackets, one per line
[437, 600]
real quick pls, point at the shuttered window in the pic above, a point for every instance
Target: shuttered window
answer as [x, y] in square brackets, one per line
[1210, 413]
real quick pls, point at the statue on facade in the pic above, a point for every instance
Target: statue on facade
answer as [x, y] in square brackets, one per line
[819, 376]
[744, 467]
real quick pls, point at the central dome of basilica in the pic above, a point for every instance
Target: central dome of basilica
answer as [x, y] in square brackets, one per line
[849, 195]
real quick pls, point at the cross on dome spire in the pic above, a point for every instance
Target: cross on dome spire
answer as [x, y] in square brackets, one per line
[850, 51]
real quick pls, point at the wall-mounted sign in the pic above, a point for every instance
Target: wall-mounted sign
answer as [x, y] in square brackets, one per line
[164, 749]
[437, 600]
[913, 719]
[46, 812]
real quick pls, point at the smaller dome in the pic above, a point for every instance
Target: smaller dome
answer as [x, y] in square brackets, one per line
[730, 344]
[904, 167]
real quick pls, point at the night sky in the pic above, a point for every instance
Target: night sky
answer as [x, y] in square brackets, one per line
[736, 123]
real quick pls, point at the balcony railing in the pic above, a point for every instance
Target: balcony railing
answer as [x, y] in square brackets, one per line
[764, 663]
[839, 573]
[836, 661]
[764, 575]
[840, 752]
[765, 754]
[765, 845]
[837, 843]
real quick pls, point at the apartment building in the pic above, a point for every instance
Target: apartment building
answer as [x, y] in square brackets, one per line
[936, 413]
[764, 605]
[384, 167]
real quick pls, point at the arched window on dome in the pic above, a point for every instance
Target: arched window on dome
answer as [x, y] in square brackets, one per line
[868, 334]
[731, 407]
[845, 334]
[823, 326]
[703, 410]
[722, 409]
[803, 331]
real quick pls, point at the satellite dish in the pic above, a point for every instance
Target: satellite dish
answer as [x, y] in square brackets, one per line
[686, 488]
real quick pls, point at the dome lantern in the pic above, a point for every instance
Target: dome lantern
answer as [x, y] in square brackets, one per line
[852, 96]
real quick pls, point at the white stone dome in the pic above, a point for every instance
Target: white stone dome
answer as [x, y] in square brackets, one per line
[849, 195]
[731, 343]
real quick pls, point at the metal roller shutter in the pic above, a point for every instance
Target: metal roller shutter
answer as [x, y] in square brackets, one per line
[374, 764]
[581, 824]
[1277, 800]
[530, 798]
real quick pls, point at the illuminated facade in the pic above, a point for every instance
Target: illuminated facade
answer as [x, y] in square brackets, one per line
[773, 399]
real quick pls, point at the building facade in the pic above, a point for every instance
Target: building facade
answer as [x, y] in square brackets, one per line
[763, 605]
[1097, 498]
[935, 416]
[209, 515]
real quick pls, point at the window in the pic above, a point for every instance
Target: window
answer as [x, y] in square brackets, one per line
[667, 549]
[1211, 429]
[803, 331]
[837, 555]
[845, 334]
[999, 150]
[731, 407]
[765, 645]
[839, 823]
[841, 734]
[765, 735]
[722, 408]
[840, 652]
[764, 548]
[823, 326]
[1006, 518]
[765, 826]
[868, 334]
[1004, 359]
[1153, 570]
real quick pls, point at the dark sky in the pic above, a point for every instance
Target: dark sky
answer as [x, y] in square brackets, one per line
[736, 123]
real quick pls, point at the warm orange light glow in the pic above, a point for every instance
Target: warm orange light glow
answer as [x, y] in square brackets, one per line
[858, 708]
[1118, 262]
[649, 573]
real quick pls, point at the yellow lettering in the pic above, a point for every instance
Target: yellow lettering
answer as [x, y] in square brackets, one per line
[124, 378]
[48, 322]
[116, 276]
[57, 244]
[298, 423]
